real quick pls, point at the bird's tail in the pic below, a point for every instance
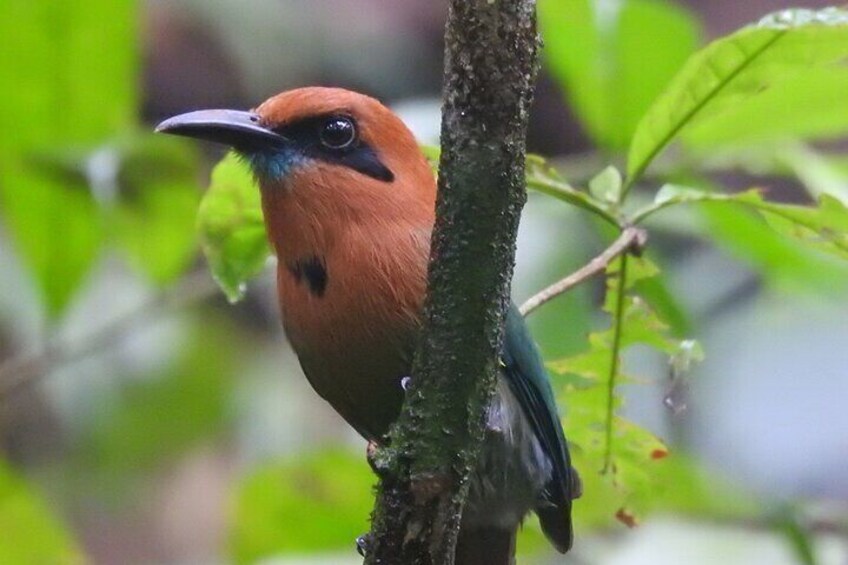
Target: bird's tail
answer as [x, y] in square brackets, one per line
[486, 546]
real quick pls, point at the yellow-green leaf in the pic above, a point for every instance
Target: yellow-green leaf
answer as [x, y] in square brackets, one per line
[315, 502]
[157, 201]
[613, 58]
[232, 231]
[617, 459]
[31, 534]
[823, 227]
[776, 53]
[70, 70]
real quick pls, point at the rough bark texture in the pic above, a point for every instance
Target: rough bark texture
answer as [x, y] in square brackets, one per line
[490, 67]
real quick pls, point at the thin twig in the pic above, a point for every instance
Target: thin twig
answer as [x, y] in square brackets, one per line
[26, 370]
[631, 240]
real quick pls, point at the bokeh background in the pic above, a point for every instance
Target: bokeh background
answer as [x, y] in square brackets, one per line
[144, 419]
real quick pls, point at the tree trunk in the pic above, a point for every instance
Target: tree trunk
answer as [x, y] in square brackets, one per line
[490, 67]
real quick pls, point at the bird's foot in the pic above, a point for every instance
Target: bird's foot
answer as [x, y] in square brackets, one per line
[405, 383]
[371, 455]
[363, 543]
[377, 464]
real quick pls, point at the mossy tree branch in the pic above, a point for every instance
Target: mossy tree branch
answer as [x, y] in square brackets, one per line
[490, 65]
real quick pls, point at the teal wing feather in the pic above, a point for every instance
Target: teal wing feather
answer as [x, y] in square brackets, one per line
[529, 381]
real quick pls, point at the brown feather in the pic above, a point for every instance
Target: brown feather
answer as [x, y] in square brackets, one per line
[354, 341]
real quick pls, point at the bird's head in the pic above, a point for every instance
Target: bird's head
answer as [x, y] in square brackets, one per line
[300, 135]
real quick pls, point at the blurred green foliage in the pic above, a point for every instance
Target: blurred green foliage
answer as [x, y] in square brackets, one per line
[187, 402]
[157, 194]
[30, 533]
[614, 60]
[739, 87]
[76, 173]
[318, 501]
[314, 502]
[70, 92]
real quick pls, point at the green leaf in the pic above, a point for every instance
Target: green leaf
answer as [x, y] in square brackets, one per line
[778, 51]
[545, 179]
[624, 467]
[315, 502]
[613, 59]
[640, 325]
[647, 479]
[31, 534]
[56, 226]
[157, 202]
[614, 455]
[656, 292]
[232, 231]
[809, 103]
[612, 492]
[781, 260]
[606, 186]
[799, 247]
[71, 83]
[823, 227]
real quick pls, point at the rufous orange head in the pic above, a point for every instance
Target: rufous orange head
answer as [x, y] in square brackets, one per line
[343, 152]
[348, 200]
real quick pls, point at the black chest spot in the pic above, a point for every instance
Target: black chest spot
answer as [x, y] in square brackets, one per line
[312, 271]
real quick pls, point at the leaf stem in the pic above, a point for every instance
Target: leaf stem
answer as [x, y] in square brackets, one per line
[562, 191]
[631, 240]
[642, 214]
[615, 360]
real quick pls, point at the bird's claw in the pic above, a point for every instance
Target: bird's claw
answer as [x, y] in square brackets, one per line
[363, 542]
[371, 454]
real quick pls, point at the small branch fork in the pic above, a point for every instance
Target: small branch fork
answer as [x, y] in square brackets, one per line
[26, 370]
[632, 240]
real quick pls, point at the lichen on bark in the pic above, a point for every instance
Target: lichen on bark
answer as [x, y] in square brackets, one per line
[491, 58]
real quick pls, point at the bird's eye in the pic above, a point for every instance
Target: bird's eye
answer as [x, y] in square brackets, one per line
[337, 133]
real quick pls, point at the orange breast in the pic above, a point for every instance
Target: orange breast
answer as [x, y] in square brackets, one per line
[351, 284]
[355, 340]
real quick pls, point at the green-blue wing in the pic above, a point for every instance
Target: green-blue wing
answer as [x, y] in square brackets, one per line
[529, 381]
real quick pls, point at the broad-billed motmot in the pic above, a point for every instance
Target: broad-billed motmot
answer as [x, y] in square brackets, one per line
[348, 200]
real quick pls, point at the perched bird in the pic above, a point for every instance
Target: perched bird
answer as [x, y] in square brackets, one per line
[348, 200]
